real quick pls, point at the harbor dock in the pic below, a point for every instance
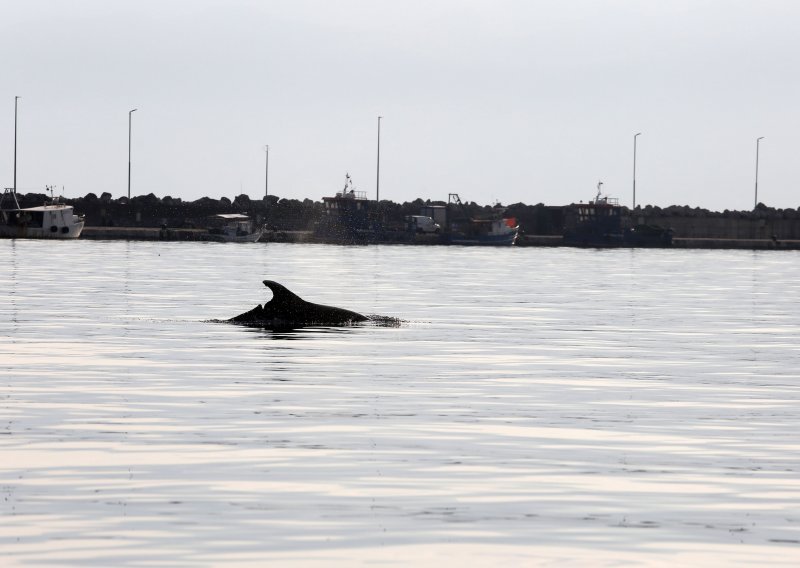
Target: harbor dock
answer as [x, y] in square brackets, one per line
[168, 234]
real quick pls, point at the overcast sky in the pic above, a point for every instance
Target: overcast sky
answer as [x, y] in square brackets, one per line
[496, 100]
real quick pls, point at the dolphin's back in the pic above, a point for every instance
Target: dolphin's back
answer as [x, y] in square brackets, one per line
[286, 310]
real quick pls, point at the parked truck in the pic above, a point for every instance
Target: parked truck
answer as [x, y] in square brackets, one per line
[422, 224]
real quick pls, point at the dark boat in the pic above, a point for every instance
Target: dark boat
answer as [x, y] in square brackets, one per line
[350, 218]
[599, 223]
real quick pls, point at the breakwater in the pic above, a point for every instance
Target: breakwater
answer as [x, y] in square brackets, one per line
[149, 217]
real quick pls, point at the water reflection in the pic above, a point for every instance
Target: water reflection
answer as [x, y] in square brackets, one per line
[11, 285]
[300, 332]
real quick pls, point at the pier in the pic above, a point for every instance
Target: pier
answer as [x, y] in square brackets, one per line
[170, 234]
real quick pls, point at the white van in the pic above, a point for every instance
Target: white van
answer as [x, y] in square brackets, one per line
[422, 224]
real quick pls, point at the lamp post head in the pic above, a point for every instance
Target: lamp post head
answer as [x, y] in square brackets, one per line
[132, 110]
[759, 138]
[637, 134]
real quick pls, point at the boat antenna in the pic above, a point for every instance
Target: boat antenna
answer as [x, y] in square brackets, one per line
[599, 185]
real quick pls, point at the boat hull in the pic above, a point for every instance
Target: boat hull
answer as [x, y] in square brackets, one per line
[72, 232]
[492, 239]
[249, 238]
[488, 241]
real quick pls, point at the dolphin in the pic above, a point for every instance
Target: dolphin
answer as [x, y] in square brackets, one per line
[287, 310]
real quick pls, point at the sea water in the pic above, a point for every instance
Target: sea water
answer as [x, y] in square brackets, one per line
[536, 406]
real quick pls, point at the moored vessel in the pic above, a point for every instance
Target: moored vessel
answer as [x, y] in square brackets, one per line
[234, 228]
[599, 223]
[350, 218]
[499, 230]
[51, 220]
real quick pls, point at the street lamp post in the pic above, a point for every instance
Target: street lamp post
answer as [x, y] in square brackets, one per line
[130, 112]
[378, 175]
[758, 140]
[15, 144]
[266, 173]
[634, 167]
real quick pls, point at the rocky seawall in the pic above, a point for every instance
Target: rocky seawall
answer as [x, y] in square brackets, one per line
[291, 220]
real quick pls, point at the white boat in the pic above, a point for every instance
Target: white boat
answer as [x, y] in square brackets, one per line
[52, 220]
[234, 228]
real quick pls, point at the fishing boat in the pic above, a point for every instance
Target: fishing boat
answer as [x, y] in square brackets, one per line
[488, 232]
[350, 218]
[499, 230]
[599, 223]
[234, 228]
[51, 220]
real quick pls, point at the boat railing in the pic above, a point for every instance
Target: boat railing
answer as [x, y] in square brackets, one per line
[352, 194]
[603, 200]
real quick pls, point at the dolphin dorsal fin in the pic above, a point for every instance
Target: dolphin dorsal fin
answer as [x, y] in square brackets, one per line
[280, 293]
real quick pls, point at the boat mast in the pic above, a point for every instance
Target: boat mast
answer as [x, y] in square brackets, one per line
[13, 190]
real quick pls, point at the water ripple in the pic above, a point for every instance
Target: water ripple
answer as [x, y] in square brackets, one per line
[537, 405]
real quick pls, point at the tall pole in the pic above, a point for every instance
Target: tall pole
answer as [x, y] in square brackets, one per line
[15, 144]
[129, 152]
[266, 173]
[378, 180]
[634, 167]
[759, 139]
